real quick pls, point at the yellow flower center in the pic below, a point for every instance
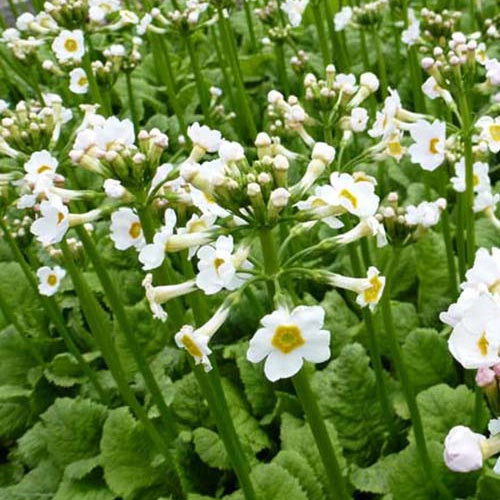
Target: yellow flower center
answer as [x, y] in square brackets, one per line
[394, 148]
[135, 230]
[218, 262]
[191, 346]
[371, 294]
[475, 180]
[495, 132]
[60, 217]
[495, 288]
[83, 81]
[196, 226]
[318, 202]
[483, 344]
[52, 279]
[347, 194]
[71, 45]
[286, 338]
[433, 146]
[209, 198]
[43, 168]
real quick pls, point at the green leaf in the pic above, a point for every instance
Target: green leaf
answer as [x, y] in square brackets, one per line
[427, 359]
[273, 482]
[210, 448]
[80, 468]
[188, 402]
[487, 235]
[85, 489]
[73, 429]
[32, 446]
[65, 371]
[374, 479]
[347, 394]
[488, 486]
[442, 408]
[128, 455]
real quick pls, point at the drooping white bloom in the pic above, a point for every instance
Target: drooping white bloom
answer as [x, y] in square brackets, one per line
[410, 35]
[218, 266]
[480, 177]
[126, 229]
[152, 255]
[99, 9]
[357, 197]
[462, 449]
[358, 119]
[457, 310]
[287, 338]
[484, 275]
[69, 46]
[371, 295]
[196, 224]
[368, 226]
[342, 18]
[41, 163]
[231, 151]
[204, 139]
[425, 214]
[49, 279]
[51, 227]
[475, 340]
[486, 201]
[324, 205]
[323, 152]
[114, 189]
[294, 9]
[429, 147]
[433, 90]
[490, 132]
[206, 203]
[158, 295]
[78, 81]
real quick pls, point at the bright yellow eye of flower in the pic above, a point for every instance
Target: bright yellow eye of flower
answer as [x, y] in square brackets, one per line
[191, 346]
[347, 194]
[433, 146]
[43, 168]
[70, 45]
[483, 344]
[495, 132]
[60, 217]
[394, 148]
[52, 280]
[286, 338]
[135, 230]
[372, 293]
[82, 81]
[218, 262]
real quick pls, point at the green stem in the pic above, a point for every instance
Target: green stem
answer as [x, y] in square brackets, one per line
[251, 30]
[270, 256]
[126, 327]
[336, 482]
[406, 385]
[280, 59]
[131, 101]
[320, 28]
[382, 69]
[462, 261]
[364, 50]
[198, 76]
[338, 52]
[13, 8]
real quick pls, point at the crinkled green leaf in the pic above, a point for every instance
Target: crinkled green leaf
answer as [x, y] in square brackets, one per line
[273, 482]
[188, 402]
[210, 448]
[373, 479]
[85, 489]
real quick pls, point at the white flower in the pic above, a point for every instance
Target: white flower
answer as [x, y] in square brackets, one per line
[206, 203]
[51, 227]
[158, 295]
[69, 46]
[287, 338]
[231, 151]
[342, 18]
[368, 226]
[114, 189]
[429, 147]
[126, 229]
[152, 255]
[484, 275]
[204, 139]
[41, 163]
[78, 81]
[358, 119]
[462, 449]
[393, 146]
[323, 152]
[373, 293]
[493, 71]
[99, 9]
[294, 10]
[481, 179]
[410, 35]
[50, 279]
[425, 214]
[114, 134]
[357, 197]
[490, 132]
[475, 340]
[324, 205]
[486, 201]
[457, 311]
[385, 120]
[218, 266]
[432, 90]
[197, 224]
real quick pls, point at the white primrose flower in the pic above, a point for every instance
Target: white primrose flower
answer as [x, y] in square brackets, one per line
[196, 341]
[369, 226]
[324, 205]
[462, 449]
[78, 81]
[475, 340]
[197, 224]
[218, 266]
[126, 229]
[490, 132]
[481, 179]
[294, 9]
[457, 311]
[99, 9]
[358, 119]
[69, 46]
[152, 255]
[342, 18]
[51, 227]
[425, 214]
[484, 275]
[114, 134]
[287, 338]
[231, 151]
[393, 147]
[486, 201]
[204, 139]
[385, 120]
[429, 147]
[206, 203]
[323, 152]
[410, 35]
[49, 279]
[114, 189]
[356, 196]
[433, 90]
[493, 71]
[41, 163]
[158, 295]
